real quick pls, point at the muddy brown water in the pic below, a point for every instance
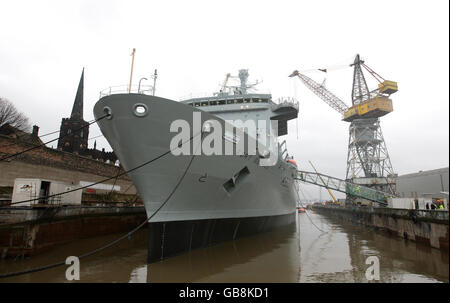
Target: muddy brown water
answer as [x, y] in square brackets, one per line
[298, 253]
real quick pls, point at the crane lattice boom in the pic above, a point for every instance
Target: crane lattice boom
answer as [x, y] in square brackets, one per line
[360, 90]
[322, 93]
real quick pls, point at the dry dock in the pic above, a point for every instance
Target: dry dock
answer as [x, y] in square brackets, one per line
[301, 253]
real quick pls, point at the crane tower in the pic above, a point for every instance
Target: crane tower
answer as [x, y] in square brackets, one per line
[368, 161]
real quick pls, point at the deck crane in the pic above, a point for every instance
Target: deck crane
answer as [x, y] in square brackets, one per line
[224, 85]
[368, 162]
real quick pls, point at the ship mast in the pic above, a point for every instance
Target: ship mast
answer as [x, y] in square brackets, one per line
[243, 76]
[132, 65]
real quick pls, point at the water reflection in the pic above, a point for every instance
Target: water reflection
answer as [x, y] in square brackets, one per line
[298, 253]
[397, 256]
[269, 257]
[339, 255]
[139, 275]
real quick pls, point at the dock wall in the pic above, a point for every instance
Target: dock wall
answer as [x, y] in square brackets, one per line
[429, 227]
[27, 231]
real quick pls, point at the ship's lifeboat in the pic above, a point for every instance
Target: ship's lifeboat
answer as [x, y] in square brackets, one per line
[292, 161]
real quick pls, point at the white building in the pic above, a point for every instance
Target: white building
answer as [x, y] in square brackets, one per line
[43, 192]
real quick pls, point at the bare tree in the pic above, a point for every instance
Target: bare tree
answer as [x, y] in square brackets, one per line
[10, 115]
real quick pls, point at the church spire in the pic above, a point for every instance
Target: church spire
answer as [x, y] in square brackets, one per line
[77, 109]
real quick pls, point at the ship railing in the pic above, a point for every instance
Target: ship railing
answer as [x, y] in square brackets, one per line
[286, 101]
[218, 95]
[125, 89]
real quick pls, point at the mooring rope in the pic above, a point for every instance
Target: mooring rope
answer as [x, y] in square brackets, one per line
[13, 274]
[323, 231]
[104, 180]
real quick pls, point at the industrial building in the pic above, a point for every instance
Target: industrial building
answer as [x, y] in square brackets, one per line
[431, 185]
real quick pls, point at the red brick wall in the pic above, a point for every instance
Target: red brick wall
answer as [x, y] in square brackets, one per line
[55, 158]
[48, 163]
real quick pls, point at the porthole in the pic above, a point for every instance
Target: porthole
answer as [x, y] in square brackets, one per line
[140, 109]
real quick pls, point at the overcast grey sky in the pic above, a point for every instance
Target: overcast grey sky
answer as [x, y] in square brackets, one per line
[45, 44]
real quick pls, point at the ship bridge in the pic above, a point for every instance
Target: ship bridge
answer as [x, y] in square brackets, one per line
[286, 109]
[249, 107]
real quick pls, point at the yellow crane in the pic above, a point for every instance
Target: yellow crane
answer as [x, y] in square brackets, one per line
[368, 161]
[321, 179]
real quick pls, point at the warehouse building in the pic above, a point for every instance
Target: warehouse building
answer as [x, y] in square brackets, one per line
[431, 185]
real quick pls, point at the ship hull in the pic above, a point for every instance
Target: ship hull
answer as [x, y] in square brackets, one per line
[211, 194]
[166, 239]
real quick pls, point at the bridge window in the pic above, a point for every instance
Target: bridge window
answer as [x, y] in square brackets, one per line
[213, 102]
[221, 102]
[240, 101]
[205, 103]
[246, 100]
[230, 101]
[197, 104]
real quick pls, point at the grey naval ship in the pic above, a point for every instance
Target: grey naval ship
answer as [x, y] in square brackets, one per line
[193, 198]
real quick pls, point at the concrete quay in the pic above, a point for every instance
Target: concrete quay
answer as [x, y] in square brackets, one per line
[429, 227]
[25, 231]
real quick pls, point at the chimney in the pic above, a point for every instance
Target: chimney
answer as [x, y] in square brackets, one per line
[35, 131]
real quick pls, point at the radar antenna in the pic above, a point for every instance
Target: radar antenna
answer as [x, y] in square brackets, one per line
[243, 76]
[240, 89]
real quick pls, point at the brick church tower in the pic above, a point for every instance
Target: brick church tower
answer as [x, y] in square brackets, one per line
[72, 138]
